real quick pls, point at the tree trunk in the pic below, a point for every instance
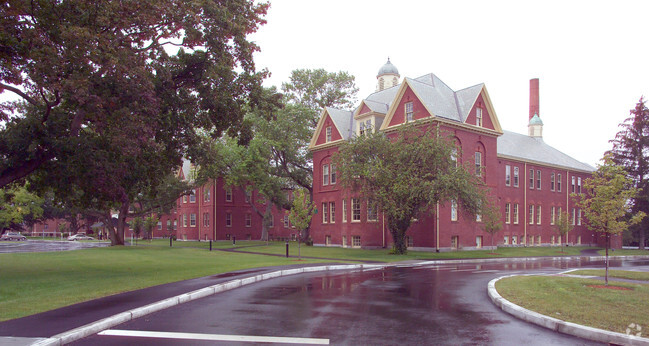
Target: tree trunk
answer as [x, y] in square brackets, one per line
[398, 230]
[265, 222]
[608, 242]
[641, 236]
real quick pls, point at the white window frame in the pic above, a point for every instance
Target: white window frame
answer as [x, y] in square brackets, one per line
[515, 213]
[409, 114]
[516, 176]
[228, 219]
[478, 117]
[332, 212]
[325, 175]
[328, 134]
[356, 207]
[332, 174]
[344, 210]
[248, 219]
[478, 163]
[325, 212]
[508, 215]
[508, 175]
[453, 210]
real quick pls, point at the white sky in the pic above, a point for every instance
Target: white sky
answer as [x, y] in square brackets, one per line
[591, 56]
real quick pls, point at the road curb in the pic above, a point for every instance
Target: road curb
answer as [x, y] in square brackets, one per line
[557, 325]
[109, 322]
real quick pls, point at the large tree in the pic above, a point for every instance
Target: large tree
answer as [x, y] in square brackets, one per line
[607, 201]
[407, 174]
[112, 95]
[631, 151]
[16, 205]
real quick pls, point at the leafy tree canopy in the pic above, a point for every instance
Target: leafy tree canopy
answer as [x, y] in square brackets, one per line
[631, 151]
[406, 175]
[16, 205]
[607, 202]
[112, 95]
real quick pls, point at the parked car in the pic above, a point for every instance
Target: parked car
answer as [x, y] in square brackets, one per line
[80, 236]
[13, 236]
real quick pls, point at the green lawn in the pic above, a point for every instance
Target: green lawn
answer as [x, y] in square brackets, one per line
[622, 274]
[570, 299]
[36, 282]
[383, 255]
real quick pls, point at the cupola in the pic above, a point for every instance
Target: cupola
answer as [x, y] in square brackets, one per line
[388, 76]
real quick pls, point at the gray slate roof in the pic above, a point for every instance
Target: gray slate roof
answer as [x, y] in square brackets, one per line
[343, 120]
[534, 149]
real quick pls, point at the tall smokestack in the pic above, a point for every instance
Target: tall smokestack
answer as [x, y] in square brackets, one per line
[534, 97]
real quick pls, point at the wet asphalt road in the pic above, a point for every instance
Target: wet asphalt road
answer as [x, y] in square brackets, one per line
[425, 305]
[46, 245]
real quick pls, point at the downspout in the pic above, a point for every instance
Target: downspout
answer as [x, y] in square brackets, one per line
[568, 212]
[437, 229]
[383, 228]
[525, 211]
[214, 207]
[198, 213]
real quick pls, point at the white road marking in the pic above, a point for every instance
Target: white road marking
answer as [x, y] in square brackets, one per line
[214, 337]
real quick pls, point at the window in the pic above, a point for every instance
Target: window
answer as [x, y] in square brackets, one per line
[344, 210]
[531, 216]
[228, 220]
[538, 179]
[453, 210]
[372, 213]
[578, 217]
[478, 242]
[578, 184]
[333, 174]
[538, 214]
[248, 220]
[168, 225]
[552, 216]
[344, 241]
[552, 240]
[325, 212]
[507, 213]
[228, 194]
[508, 175]
[478, 116]
[332, 212]
[531, 178]
[192, 220]
[455, 241]
[515, 212]
[206, 194]
[478, 163]
[356, 209]
[409, 112]
[325, 175]
[206, 219]
[410, 242]
[192, 197]
[328, 134]
[454, 156]
[248, 196]
[356, 241]
[271, 222]
[559, 182]
[361, 128]
[572, 219]
[327, 240]
[184, 198]
[184, 220]
[515, 176]
[506, 240]
[552, 181]
[572, 185]
[368, 126]
[159, 225]
[538, 239]
[514, 240]
[285, 221]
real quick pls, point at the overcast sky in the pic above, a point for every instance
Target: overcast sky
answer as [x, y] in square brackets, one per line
[591, 56]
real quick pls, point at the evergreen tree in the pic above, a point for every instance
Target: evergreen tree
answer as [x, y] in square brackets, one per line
[631, 151]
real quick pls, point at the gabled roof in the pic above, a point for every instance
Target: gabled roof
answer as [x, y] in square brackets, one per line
[531, 149]
[342, 119]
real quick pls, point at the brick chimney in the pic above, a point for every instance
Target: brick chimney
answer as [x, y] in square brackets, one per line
[535, 125]
[534, 98]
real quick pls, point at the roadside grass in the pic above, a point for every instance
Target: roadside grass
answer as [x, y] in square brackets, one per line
[624, 252]
[620, 274]
[383, 255]
[37, 282]
[570, 299]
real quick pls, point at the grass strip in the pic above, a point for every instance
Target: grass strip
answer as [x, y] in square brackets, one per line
[621, 274]
[572, 300]
[37, 282]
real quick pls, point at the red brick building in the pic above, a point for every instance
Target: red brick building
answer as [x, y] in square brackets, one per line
[531, 180]
[216, 211]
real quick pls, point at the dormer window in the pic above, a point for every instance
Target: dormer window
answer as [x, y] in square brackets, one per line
[328, 134]
[478, 117]
[409, 112]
